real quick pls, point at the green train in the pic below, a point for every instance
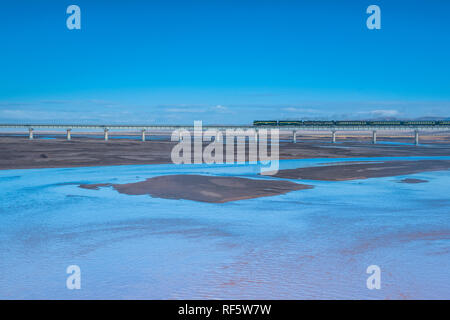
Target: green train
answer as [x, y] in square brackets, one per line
[273, 123]
[348, 123]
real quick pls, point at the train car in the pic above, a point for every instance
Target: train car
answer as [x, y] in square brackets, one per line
[347, 123]
[289, 123]
[351, 123]
[385, 123]
[318, 123]
[270, 123]
[420, 123]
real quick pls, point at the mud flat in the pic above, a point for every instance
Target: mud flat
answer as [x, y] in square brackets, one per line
[203, 188]
[21, 153]
[413, 181]
[353, 171]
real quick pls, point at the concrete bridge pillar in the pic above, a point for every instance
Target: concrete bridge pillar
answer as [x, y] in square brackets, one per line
[143, 135]
[374, 137]
[256, 135]
[106, 134]
[69, 137]
[333, 137]
[294, 136]
[30, 134]
[416, 137]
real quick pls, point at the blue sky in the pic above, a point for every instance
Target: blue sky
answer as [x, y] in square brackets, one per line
[222, 61]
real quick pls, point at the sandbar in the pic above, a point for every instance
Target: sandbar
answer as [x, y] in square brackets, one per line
[354, 171]
[203, 188]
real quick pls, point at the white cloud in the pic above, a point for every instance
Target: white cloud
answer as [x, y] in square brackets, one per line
[382, 113]
[220, 109]
[300, 110]
[184, 110]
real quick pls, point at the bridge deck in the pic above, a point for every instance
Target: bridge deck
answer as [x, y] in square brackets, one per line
[223, 127]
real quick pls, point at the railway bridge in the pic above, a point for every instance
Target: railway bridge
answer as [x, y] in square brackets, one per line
[144, 130]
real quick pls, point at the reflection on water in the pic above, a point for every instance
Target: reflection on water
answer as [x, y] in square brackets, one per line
[305, 244]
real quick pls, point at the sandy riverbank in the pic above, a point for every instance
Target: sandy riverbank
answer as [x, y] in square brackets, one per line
[353, 171]
[20, 153]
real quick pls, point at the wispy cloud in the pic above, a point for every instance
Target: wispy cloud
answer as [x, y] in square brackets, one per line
[381, 113]
[221, 109]
[184, 110]
[300, 110]
[220, 112]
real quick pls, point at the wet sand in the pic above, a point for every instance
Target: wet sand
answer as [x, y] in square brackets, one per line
[413, 181]
[354, 171]
[21, 153]
[204, 188]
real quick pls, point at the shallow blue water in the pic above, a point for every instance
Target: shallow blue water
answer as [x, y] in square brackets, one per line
[305, 244]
